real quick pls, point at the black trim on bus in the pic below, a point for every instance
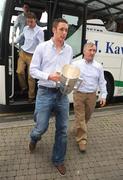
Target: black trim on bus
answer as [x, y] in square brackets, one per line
[95, 24]
[5, 42]
[79, 54]
[17, 108]
[84, 27]
[1, 60]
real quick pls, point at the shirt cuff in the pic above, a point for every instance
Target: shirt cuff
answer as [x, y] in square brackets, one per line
[46, 76]
[103, 96]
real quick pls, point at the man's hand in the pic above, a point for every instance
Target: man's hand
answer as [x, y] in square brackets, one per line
[102, 102]
[14, 34]
[54, 77]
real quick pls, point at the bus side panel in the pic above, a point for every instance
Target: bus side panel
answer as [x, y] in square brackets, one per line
[109, 54]
[2, 85]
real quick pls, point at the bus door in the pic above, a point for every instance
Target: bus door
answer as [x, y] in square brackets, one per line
[41, 11]
[77, 30]
[2, 60]
[12, 61]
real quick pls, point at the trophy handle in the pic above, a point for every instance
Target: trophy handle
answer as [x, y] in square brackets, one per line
[58, 82]
[78, 83]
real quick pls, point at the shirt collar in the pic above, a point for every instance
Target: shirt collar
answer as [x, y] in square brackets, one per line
[53, 44]
[34, 29]
[90, 62]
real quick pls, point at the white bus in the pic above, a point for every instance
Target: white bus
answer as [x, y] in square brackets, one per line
[109, 44]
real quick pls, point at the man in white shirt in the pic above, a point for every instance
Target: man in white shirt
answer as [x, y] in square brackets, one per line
[32, 35]
[85, 97]
[111, 25]
[49, 57]
[21, 19]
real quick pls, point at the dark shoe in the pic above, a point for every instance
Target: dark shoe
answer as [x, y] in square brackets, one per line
[31, 100]
[61, 169]
[23, 91]
[82, 145]
[32, 147]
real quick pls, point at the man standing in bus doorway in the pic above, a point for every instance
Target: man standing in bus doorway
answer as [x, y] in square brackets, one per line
[85, 97]
[32, 35]
[49, 57]
[21, 19]
[111, 24]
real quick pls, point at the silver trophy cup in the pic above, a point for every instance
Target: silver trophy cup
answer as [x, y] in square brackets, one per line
[69, 79]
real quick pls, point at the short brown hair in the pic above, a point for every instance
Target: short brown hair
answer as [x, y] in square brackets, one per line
[57, 21]
[27, 4]
[31, 15]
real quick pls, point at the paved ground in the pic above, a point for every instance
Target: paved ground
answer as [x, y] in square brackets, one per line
[103, 160]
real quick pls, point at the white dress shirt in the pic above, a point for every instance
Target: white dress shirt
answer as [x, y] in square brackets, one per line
[46, 60]
[20, 23]
[93, 77]
[112, 26]
[32, 37]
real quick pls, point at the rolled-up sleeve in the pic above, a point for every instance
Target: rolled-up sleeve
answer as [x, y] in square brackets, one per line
[102, 84]
[40, 36]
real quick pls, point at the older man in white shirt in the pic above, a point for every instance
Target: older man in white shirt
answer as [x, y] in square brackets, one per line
[85, 97]
[32, 35]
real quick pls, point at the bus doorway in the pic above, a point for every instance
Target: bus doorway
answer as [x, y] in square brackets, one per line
[16, 95]
[10, 94]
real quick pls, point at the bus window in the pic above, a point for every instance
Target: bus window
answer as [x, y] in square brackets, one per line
[43, 20]
[2, 3]
[74, 37]
[11, 29]
[72, 21]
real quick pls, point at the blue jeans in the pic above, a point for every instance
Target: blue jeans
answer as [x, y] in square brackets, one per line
[46, 102]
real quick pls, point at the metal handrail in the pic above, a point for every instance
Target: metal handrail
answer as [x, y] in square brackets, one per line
[12, 94]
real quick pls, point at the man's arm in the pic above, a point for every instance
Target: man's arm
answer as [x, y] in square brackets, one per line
[35, 66]
[102, 87]
[40, 36]
[20, 38]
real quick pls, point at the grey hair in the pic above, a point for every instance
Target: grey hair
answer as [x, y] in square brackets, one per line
[88, 44]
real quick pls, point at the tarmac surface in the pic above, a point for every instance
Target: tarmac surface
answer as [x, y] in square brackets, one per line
[102, 161]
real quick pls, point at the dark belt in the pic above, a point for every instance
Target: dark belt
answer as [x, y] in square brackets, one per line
[49, 89]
